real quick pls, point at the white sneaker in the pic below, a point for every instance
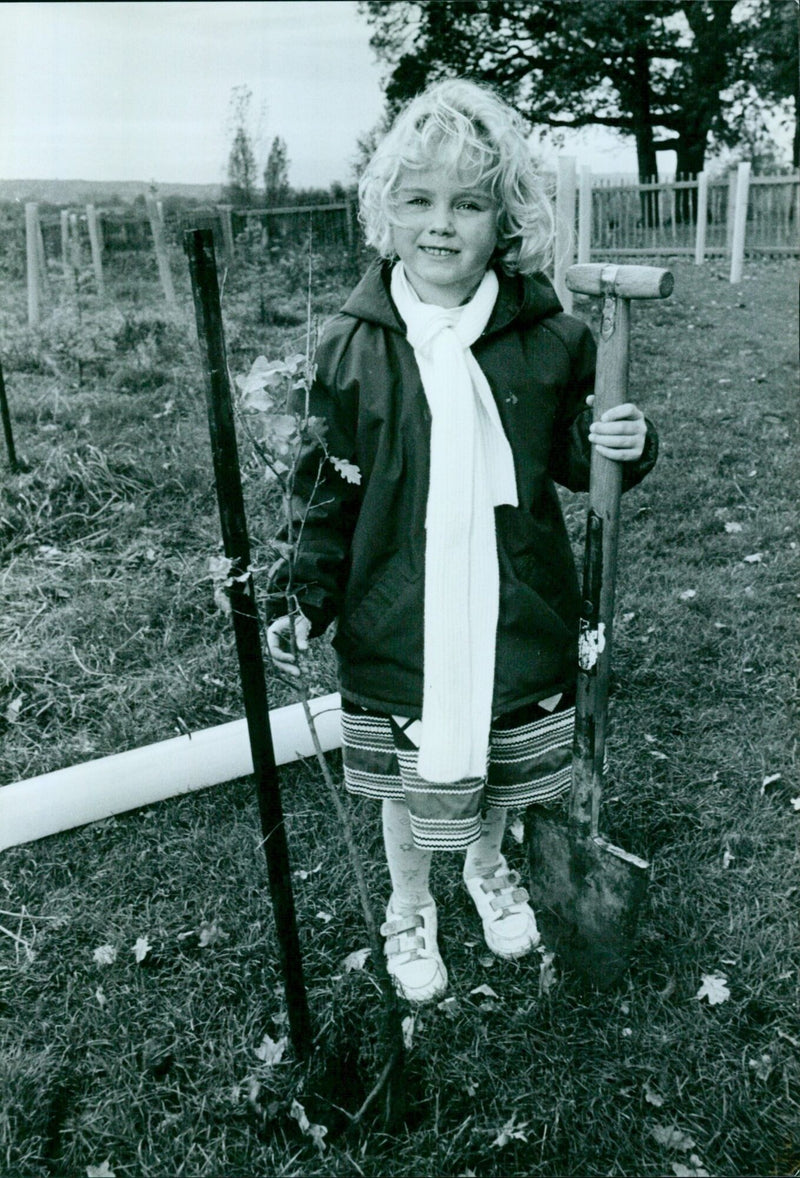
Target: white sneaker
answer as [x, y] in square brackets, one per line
[509, 925]
[412, 955]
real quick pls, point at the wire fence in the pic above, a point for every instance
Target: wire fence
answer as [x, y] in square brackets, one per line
[661, 216]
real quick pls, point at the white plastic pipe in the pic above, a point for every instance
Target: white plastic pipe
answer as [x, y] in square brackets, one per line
[71, 797]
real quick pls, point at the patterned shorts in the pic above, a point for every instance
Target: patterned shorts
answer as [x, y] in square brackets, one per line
[530, 761]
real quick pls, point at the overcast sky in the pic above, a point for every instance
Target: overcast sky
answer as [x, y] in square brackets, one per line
[141, 91]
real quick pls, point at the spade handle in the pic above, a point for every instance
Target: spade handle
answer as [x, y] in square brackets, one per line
[617, 285]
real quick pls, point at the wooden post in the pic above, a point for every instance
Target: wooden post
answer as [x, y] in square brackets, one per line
[65, 259]
[32, 262]
[740, 221]
[565, 227]
[75, 243]
[227, 231]
[94, 241]
[162, 258]
[6, 416]
[731, 212]
[585, 214]
[199, 244]
[702, 219]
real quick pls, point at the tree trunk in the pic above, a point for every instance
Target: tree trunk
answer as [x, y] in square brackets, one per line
[643, 121]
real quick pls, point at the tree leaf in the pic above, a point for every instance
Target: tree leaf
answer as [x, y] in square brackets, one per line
[511, 1131]
[355, 960]
[653, 1097]
[754, 558]
[732, 526]
[347, 470]
[316, 1132]
[141, 949]
[694, 1170]
[671, 1137]
[517, 830]
[271, 1052]
[105, 955]
[102, 1171]
[687, 595]
[210, 933]
[408, 1024]
[487, 991]
[714, 988]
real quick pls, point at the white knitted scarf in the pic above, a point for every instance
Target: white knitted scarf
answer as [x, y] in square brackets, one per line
[471, 471]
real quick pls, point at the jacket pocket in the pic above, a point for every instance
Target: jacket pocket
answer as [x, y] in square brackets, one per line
[385, 623]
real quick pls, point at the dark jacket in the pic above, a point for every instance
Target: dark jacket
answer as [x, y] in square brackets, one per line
[362, 553]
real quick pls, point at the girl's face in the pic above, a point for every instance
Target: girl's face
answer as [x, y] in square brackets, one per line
[445, 234]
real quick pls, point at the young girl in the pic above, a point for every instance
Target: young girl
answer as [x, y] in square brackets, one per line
[457, 385]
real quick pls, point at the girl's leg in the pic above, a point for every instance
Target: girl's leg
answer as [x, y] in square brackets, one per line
[509, 924]
[409, 865]
[484, 855]
[412, 954]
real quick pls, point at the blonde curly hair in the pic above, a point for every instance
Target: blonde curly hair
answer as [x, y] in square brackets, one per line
[461, 126]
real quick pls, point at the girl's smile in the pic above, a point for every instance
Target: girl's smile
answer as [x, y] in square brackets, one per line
[445, 234]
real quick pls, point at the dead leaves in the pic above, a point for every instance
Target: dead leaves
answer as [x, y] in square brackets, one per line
[714, 989]
[271, 1051]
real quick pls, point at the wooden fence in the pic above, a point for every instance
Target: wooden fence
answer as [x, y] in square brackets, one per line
[733, 216]
[661, 217]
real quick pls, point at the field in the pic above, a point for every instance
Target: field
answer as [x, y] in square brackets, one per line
[139, 966]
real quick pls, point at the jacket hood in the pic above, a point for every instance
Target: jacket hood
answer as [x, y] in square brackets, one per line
[522, 299]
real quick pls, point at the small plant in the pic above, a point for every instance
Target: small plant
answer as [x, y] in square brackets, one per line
[274, 408]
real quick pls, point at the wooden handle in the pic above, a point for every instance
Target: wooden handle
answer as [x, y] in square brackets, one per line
[628, 282]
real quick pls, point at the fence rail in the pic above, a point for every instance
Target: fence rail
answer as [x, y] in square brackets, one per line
[735, 216]
[661, 216]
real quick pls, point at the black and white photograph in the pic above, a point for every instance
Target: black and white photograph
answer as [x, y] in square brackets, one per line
[399, 589]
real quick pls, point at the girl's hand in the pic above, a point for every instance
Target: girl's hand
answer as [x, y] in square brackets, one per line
[279, 643]
[620, 432]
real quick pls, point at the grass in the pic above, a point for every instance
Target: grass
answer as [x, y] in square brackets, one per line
[110, 639]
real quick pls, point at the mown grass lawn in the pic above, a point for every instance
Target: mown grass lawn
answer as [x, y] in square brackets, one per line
[110, 639]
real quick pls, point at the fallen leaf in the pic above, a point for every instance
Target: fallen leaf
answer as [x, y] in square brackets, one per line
[102, 1171]
[727, 858]
[141, 949]
[547, 973]
[13, 709]
[316, 1132]
[511, 1131]
[770, 779]
[100, 997]
[324, 916]
[485, 990]
[271, 1052]
[671, 1137]
[408, 1024]
[210, 934]
[517, 830]
[733, 526]
[714, 988]
[796, 803]
[105, 955]
[762, 1067]
[695, 1170]
[687, 595]
[653, 1097]
[753, 558]
[355, 960]
[448, 1006]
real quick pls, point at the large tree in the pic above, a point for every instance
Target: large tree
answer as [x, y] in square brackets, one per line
[660, 71]
[276, 174]
[241, 161]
